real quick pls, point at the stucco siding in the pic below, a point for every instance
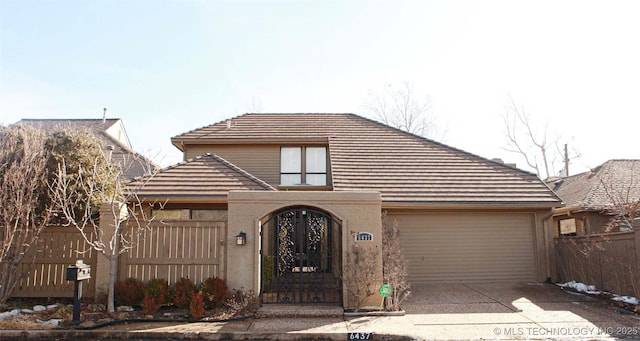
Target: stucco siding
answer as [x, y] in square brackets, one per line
[469, 247]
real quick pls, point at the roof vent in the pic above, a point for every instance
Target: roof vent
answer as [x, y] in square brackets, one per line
[498, 160]
[104, 115]
[557, 182]
[229, 124]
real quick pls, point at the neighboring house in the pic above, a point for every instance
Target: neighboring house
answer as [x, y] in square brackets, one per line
[593, 198]
[111, 131]
[306, 189]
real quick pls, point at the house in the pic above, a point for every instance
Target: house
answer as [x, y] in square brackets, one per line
[112, 132]
[300, 192]
[596, 197]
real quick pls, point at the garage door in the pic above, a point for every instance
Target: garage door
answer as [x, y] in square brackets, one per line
[468, 247]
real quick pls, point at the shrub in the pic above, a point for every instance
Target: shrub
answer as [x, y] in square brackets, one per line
[156, 292]
[361, 275]
[129, 292]
[196, 306]
[394, 264]
[181, 292]
[214, 292]
[242, 303]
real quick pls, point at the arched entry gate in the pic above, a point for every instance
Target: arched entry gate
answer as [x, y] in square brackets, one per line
[301, 257]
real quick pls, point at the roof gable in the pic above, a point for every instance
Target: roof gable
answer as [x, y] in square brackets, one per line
[205, 176]
[370, 156]
[613, 182]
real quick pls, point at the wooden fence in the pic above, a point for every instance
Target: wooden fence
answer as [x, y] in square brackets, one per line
[611, 262]
[57, 248]
[193, 249]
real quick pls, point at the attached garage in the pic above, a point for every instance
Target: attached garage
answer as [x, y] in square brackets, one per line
[468, 247]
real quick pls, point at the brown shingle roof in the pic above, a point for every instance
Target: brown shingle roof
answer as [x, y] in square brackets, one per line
[367, 155]
[615, 181]
[133, 163]
[206, 176]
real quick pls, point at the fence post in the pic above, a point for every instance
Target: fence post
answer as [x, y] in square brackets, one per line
[637, 235]
[101, 272]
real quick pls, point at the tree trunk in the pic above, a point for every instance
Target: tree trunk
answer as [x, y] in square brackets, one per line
[113, 270]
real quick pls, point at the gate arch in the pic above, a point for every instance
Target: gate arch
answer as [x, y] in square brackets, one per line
[301, 257]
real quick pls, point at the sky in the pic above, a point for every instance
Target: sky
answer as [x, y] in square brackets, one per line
[168, 67]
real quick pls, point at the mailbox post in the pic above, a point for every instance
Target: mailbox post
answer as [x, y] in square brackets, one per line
[78, 273]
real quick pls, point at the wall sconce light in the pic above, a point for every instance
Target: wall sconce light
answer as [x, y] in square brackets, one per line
[241, 238]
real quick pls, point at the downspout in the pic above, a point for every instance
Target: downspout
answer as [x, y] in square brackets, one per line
[548, 245]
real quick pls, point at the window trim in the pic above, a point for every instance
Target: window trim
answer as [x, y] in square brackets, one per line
[568, 234]
[303, 167]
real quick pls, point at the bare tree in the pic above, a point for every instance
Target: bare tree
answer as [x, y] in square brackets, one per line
[538, 147]
[394, 264]
[360, 275]
[24, 207]
[400, 107]
[623, 196]
[255, 105]
[110, 238]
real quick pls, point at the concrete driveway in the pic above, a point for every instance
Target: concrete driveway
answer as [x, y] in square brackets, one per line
[514, 311]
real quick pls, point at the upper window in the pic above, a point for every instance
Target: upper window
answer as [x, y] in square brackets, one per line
[303, 166]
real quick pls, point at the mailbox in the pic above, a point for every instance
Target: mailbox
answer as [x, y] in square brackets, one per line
[79, 272]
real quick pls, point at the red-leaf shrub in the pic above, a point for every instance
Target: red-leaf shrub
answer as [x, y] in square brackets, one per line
[129, 292]
[181, 292]
[156, 292]
[196, 306]
[214, 292]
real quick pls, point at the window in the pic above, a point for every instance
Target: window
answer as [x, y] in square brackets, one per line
[188, 214]
[291, 165]
[568, 227]
[303, 166]
[316, 166]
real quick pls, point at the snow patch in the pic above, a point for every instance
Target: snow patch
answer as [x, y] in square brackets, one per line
[51, 322]
[9, 314]
[591, 289]
[581, 287]
[626, 299]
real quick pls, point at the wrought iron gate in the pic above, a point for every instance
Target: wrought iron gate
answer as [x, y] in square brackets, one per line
[301, 258]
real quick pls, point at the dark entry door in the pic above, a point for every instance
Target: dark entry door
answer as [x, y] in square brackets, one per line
[301, 258]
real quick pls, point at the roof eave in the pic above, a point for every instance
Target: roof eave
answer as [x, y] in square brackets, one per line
[191, 199]
[468, 205]
[181, 142]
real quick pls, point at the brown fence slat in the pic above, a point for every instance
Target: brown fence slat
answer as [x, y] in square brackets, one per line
[57, 248]
[168, 251]
[607, 261]
[177, 249]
